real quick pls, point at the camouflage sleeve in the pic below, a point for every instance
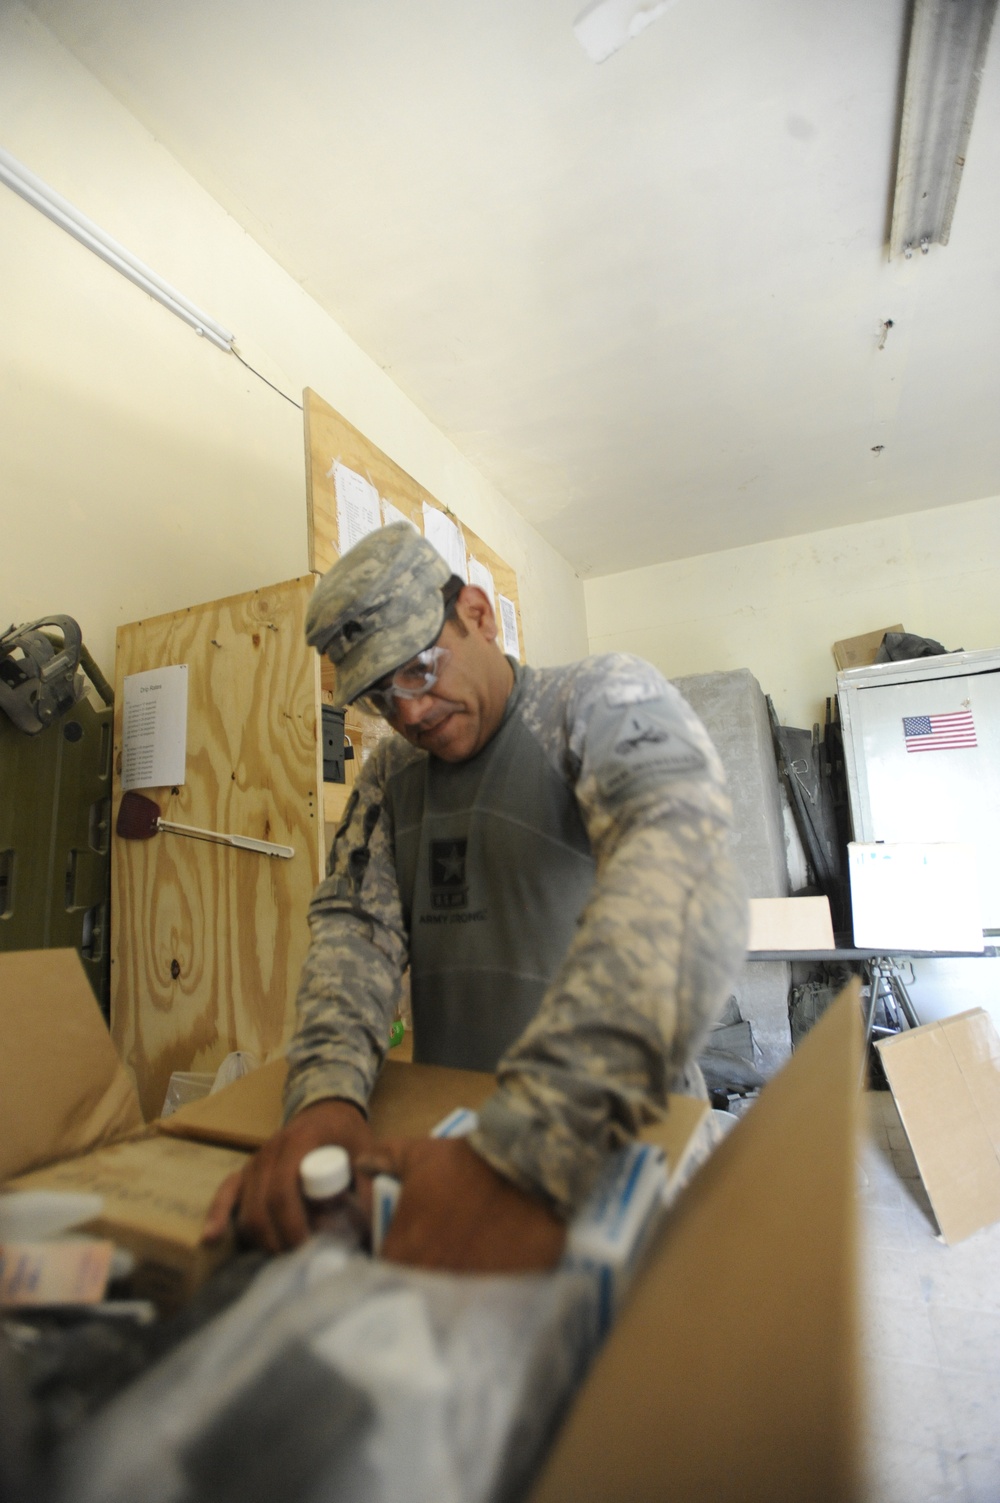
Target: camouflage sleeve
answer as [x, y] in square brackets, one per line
[350, 981]
[658, 945]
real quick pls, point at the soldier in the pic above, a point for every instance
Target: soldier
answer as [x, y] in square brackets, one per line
[548, 851]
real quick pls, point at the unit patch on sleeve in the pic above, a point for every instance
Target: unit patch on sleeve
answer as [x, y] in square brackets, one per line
[634, 750]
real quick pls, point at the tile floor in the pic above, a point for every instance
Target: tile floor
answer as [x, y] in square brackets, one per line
[931, 1335]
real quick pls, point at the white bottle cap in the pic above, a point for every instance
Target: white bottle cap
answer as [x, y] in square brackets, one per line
[324, 1172]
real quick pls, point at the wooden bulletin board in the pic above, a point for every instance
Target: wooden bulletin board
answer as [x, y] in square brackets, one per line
[330, 439]
[208, 941]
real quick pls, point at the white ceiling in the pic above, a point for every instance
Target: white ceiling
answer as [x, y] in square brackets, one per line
[644, 298]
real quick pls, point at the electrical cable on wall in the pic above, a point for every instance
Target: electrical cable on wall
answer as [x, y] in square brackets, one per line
[234, 351]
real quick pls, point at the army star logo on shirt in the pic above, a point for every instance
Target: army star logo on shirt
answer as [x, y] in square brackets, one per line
[448, 888]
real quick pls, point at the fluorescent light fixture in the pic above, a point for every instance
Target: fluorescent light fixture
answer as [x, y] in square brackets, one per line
[606, 26]
[61, 212]
[948, 42]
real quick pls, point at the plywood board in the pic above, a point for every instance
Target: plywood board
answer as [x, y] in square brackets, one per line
[732, 1371]
[945, 1081]
[331, 439]
[207, 941]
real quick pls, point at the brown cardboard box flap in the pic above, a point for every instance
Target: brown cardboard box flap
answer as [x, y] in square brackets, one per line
[732, 1370]
[408, 1100]
[241, 1115]
[64, 1088]
[945, 1080]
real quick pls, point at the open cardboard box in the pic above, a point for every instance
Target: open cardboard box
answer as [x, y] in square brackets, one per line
[71, 1121]
[732, 1369]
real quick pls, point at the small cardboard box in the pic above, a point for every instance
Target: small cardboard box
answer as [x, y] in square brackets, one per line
[859, 652]
[790, 924]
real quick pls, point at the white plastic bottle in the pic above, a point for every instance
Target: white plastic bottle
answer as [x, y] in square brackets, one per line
[325, 1181]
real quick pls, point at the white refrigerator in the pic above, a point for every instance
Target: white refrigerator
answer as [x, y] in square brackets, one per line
[922, 753]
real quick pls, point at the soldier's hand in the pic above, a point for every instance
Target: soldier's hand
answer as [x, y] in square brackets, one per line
[265, 1196]
[457, 1214]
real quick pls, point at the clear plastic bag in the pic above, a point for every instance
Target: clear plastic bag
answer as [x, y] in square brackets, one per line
[235, 1065]
[185, 1086]
[336, 1379]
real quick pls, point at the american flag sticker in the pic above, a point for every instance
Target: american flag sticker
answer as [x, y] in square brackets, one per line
[939, 732]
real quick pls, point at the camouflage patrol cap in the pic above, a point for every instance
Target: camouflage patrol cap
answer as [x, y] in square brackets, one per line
[377, 607]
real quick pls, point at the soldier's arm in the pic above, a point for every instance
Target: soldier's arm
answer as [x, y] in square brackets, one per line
[656, 951]
[346, 999]
[351, 978]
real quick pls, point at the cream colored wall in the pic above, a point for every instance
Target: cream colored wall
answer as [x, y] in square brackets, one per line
[777, 608]
[141, 468]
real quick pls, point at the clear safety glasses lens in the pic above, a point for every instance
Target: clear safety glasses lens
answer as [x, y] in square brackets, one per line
[413, 680]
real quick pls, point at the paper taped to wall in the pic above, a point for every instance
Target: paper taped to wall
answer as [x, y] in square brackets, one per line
[442, 532]
[154, 728]
[392, 514]
[508, 627]
[358, 511]
[481, 576]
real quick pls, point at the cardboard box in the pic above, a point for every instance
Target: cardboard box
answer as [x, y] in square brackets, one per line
[945, 1081]
[732, 1371]
[65, 1092]
[790, 924]
[859, 652]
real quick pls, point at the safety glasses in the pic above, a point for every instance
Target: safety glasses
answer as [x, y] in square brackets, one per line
[411, 681]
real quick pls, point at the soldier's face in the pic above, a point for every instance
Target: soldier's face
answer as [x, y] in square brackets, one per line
[463, 708]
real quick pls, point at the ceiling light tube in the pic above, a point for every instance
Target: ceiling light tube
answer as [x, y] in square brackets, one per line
[61, 212]
[948, 42]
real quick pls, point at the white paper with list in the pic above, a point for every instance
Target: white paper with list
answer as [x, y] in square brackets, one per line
[481, 576]
[358, 510]
[154, 728]
[392, 514]
[508, 625]
[446, 538]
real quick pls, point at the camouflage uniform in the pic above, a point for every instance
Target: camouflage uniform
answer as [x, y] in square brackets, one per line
[649, 943]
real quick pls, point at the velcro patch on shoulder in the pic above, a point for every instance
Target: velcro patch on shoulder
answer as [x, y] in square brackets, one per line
[634, 693]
